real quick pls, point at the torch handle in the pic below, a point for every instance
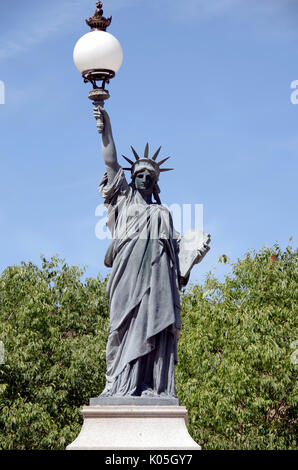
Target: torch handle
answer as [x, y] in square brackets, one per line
[99, 119]
[98, 97]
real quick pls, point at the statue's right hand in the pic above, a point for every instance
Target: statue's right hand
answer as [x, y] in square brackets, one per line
[98, 113]
[101, 117]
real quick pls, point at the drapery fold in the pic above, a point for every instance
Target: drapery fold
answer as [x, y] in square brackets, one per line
[143, 293]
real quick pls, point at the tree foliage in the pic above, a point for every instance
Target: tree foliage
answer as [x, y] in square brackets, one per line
[54, 329]
[234, 375]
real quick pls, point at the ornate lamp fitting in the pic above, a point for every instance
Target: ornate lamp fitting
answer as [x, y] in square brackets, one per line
[98, 56]
[98, 21]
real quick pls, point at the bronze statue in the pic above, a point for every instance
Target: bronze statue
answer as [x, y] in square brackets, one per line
[146, 257]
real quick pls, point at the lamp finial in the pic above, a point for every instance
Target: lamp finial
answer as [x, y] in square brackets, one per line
[98, 21]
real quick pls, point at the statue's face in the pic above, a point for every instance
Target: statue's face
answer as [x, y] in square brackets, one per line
[145, 181]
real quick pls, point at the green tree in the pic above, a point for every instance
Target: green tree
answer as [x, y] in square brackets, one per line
[235, 374]
[54, 328]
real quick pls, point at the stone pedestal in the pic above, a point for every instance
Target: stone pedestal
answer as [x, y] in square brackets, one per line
[133, 427]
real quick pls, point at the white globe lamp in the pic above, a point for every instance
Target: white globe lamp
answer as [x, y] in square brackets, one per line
[98, 55]
[98, 50]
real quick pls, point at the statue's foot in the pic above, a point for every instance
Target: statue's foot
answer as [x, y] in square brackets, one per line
[148, 392]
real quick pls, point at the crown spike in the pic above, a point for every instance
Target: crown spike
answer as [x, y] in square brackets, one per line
[166, 169]
[156, 154]
[135, 153]
[163, 161]
[146, 153]
[127, 169]
[127, 159]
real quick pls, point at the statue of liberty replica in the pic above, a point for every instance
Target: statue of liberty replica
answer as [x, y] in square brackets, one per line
[145, 256]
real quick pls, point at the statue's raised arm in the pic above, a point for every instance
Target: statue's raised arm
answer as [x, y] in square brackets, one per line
[150, 262]
[108, 145]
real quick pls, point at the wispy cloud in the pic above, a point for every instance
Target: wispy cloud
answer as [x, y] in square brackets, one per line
[36, 24]
[202, 10]
[36, 21]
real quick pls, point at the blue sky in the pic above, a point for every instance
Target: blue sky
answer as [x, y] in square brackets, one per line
[209, 80]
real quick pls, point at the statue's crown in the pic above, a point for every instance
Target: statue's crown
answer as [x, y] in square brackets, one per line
[146, 162]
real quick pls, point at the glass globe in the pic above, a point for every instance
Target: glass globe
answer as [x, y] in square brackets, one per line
[98, 50]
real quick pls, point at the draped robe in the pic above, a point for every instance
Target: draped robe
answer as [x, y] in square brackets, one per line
[143, 294]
